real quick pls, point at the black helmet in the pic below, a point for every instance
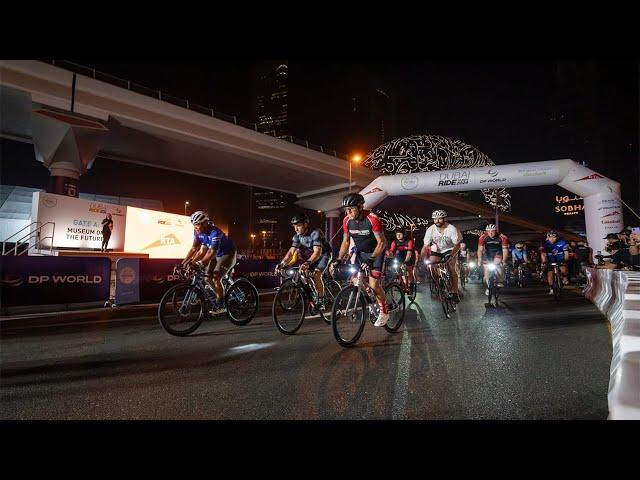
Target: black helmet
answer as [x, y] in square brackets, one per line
[352, 200]
[299, 218]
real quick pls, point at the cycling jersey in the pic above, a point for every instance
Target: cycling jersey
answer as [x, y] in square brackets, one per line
[216, 239]
[555, 251]
[519, 255]
[400, 248]
[445, 241]
[306, 242]
[493, 246]
[362, 231]
[583, 253]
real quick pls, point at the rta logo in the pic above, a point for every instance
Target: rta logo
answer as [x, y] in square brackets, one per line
[12, 281]
[492, 172]
[376, 189]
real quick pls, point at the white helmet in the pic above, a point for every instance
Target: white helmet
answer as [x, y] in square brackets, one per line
[491, 226]
[439, 214]
[199, 217]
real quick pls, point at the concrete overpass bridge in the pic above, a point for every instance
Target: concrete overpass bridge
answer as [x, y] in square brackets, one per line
[72, 118]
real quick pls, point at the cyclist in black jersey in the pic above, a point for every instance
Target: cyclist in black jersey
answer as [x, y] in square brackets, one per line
[314, 250]
[365, 229]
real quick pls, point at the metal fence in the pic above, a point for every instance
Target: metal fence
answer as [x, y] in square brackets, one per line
[180, 102]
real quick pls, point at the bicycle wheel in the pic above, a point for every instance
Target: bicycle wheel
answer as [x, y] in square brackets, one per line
[348, 316]
[241, 301]
[396, 305]
[413, 291]
[442, 293]
[557, 288]
[181, 310]
[288, 308]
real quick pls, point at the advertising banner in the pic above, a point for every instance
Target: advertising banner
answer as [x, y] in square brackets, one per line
[53, 280]
[160, 234]
[260, 272]
[127, 281]
[156, 277]
[78, 223]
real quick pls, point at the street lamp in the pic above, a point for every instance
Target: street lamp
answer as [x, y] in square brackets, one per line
[185, 207]
[264, 239]
[253, 237]
[355, 159]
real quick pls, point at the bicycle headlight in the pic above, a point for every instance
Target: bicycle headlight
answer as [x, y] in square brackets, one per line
[472, 264]
[291, 272]
[352, 269]
[492, 266]
[426, 262]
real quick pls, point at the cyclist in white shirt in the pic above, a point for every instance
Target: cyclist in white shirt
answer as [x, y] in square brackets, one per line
[446, 240]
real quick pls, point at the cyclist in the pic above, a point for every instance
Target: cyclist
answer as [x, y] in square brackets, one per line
[404, 251]
[493, 247]
[554, 250]
[365, 229]
[446, 239]
[585, 258]
[314, 250]
[519, 254]
[213, 251]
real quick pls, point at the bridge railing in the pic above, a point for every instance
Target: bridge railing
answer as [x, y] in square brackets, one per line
[184, 103]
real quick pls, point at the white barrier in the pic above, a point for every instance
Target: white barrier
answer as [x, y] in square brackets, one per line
[617, 294]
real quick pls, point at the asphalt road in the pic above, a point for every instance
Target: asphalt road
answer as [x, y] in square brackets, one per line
[533, 358]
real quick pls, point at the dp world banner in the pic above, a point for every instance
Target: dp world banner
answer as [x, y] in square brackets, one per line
[78, 223]
[156, 277]
[53, 280]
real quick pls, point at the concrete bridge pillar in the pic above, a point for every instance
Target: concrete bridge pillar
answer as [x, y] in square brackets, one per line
[67, 144]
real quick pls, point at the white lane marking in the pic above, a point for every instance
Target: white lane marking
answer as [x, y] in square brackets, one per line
[401, 390]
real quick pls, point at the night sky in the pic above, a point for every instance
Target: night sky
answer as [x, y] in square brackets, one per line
[501, 107]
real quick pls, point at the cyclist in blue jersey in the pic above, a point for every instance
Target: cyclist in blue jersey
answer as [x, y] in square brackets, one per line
[519, 254]
[554, 250]
[213, 251]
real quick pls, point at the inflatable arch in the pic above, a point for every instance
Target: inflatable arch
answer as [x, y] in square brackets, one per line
[602, 206]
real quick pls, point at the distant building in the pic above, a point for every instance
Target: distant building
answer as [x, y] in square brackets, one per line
[271, 100]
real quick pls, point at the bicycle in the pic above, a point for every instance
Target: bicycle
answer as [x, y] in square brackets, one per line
[184, 307]
[464, 272]
[400, 276]
[492, 283]
[521, 275]
[556, 284]
[296, 297]
[441, 285]
[356, 302]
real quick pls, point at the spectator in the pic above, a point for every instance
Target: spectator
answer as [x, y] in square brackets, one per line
[619, 257]
[107, 228]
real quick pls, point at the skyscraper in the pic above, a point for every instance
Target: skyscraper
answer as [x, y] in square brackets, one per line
[271, 88]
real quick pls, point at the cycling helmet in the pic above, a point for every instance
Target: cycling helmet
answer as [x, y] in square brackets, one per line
[519, 245]
[300, 218]
[490, 227]
[352, 200]
[552, 232]
[199, 217]
[439, 214]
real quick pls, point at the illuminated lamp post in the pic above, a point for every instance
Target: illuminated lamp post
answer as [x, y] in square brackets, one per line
[354, 159]
[185, 207]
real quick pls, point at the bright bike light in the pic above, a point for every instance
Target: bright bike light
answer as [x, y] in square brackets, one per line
[492, 266]
[472, 264]
[352, 269]
[290, 272]
[426, 262]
